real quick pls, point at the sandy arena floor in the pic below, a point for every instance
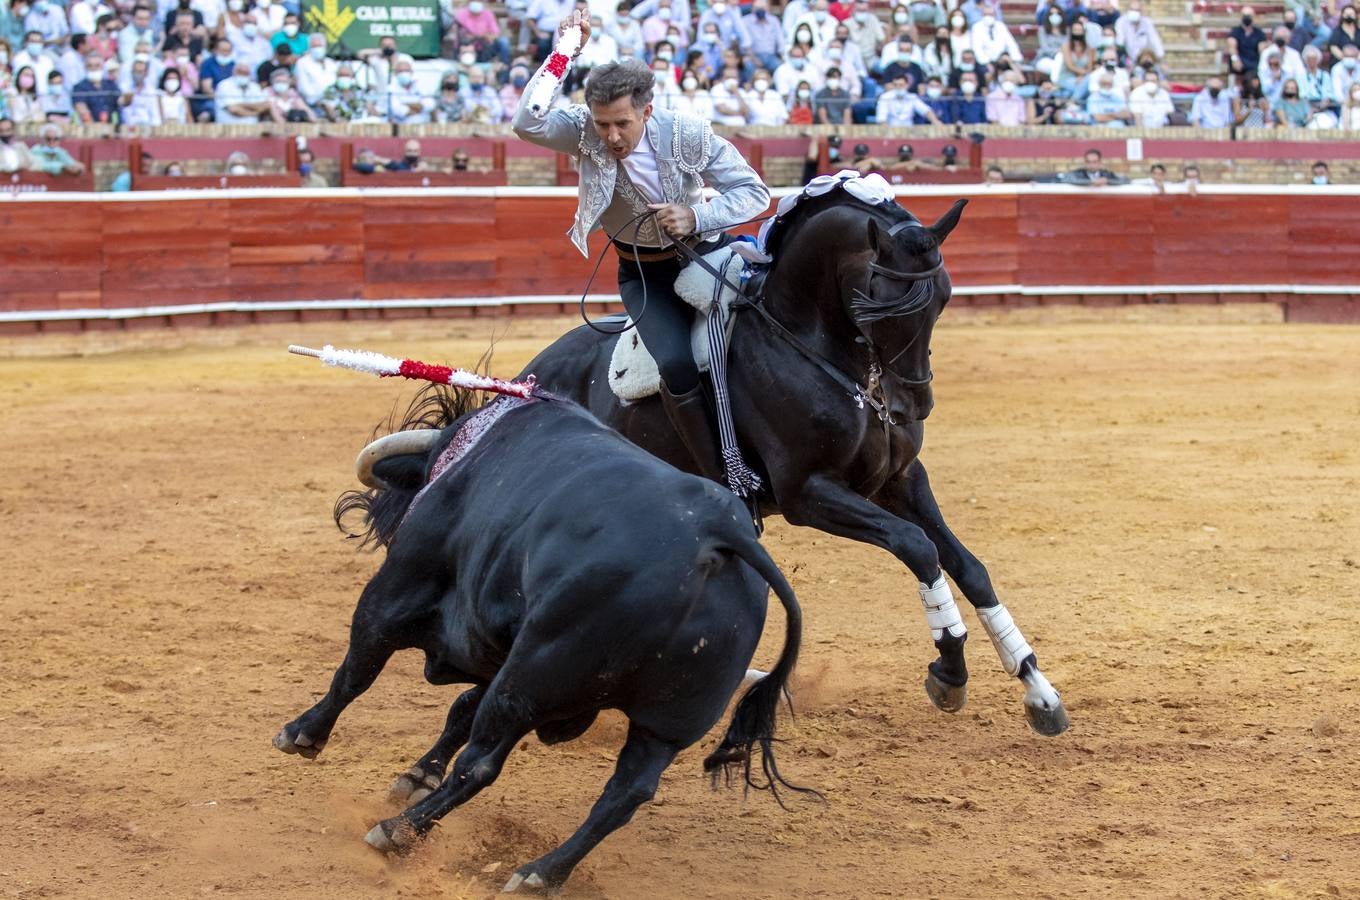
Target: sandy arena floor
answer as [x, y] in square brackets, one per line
[1171, 511]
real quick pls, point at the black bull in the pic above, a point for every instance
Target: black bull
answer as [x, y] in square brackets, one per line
[563, 570]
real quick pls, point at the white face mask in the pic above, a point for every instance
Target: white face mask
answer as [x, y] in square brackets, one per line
[719, 8]
[689, 84]
[476, 7]
[804, 93]
[833, 84]
[317, 53]
[467, 59]
[934, 93]
[237, 169]
[958, 21]
[989, 20]
[1134, 16]
[290, 30]
[761, 85]
[968, 87]
[1008, 87]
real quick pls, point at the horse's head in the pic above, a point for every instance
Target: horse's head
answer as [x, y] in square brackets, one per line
[904, 290]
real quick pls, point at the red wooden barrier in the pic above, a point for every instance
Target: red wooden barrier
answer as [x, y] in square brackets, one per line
[135, 251]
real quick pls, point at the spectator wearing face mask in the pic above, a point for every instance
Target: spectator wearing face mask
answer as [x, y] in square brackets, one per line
[764, 105]
[991, 38]
[1078, 60]
[23, 99]
[766, 34]
[307, 169]
[1004, 104]
[140, 100]
[1092, 172]
[1322, 175]
[627, 33]
[375, 70]
[800, 105]
[14, 153]
[282, 59]
[238, 163]
[966, 66]
[937, 59]
[314, 71]
[345, 100]
[271, 15]
[1136, 32]
[729, 100]
[1244, 44]
[1291, 110]
[1052, 35]
[1272, 75]
[1047, 104]
[410, 160]
[960, 37]
[56, 100]
[123, 183]
[1317, 85]
[96, 97]
[35, 57]
[1346, 34]
[248, 45]
[659, 22]
[1346, 72]
[448, 104]
[837, 55]
[140, 30]
[1150, 103]
[1291, 62]
[48, 19]
[1109, 65]
[481, 102]
[1212, 106]
[71, 62]
[797, 67]
[1106, 104]
[832, 102]
[1251, 108]
[900, 107]
[403, 103]
[291, 34]
[475, 27]
[665, 91]
[285, 103]
[512, 90]
[240, 98]
[173, 106]
[731, 27]
[867, 31]
[819, 21]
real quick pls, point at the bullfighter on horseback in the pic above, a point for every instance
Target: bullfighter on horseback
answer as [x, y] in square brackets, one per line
[643, 171]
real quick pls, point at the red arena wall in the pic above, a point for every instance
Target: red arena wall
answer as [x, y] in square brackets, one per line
[259, 255]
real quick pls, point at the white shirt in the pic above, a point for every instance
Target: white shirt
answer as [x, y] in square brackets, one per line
[726, 110]
[786, 77]
[699, 105]
[229, 93]
[600, 49]
[990, 41]
[766, 108]
[1150, 111]
[41, 64]
[641, 168]
[314, 77]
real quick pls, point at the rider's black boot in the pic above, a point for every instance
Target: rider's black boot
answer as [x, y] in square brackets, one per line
[689, 414]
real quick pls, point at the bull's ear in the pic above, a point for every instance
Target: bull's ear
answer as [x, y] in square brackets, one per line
[875, 236]
[946, 223]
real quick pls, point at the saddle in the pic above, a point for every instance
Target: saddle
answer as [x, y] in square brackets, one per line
[633, 374]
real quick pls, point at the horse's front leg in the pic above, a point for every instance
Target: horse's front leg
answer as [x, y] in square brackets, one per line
[910, 497]
[833, 507]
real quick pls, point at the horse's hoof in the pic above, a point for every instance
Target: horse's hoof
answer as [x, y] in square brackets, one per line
[392, 836]
[299, 744]
[412, 786]
[947, 697]
[532, 881]
[1049, 721]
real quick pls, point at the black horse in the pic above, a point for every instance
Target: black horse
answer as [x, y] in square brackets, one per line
[830, 384]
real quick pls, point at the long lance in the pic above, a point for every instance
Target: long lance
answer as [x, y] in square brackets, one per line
[391, 367]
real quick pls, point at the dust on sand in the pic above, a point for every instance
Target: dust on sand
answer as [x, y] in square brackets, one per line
[1170, 511]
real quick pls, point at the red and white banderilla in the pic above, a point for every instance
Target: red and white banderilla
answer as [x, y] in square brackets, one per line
[391, 367]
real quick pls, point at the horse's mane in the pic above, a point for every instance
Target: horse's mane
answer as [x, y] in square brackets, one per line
[889, 213]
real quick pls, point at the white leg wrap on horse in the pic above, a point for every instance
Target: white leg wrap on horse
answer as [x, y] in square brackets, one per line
[942, 615]
[1010, 644]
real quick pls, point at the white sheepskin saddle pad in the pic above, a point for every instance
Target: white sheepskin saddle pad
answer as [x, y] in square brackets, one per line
[632, 371]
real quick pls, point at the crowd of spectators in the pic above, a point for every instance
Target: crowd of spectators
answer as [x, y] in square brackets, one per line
[809, 61]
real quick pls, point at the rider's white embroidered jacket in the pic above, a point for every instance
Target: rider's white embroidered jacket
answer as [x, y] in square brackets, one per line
[688, 156]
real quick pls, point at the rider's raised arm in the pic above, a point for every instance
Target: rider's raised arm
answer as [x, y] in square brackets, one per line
[741, 193]
[547, 126]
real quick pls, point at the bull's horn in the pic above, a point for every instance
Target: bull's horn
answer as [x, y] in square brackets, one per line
[403, 442]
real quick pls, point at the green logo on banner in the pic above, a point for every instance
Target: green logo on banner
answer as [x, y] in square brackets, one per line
[350, 27]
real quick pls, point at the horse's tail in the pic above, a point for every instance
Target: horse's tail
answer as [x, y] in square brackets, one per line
[435, 406]
[753, 720]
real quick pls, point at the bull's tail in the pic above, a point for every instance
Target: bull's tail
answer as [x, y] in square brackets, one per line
[753, 720]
